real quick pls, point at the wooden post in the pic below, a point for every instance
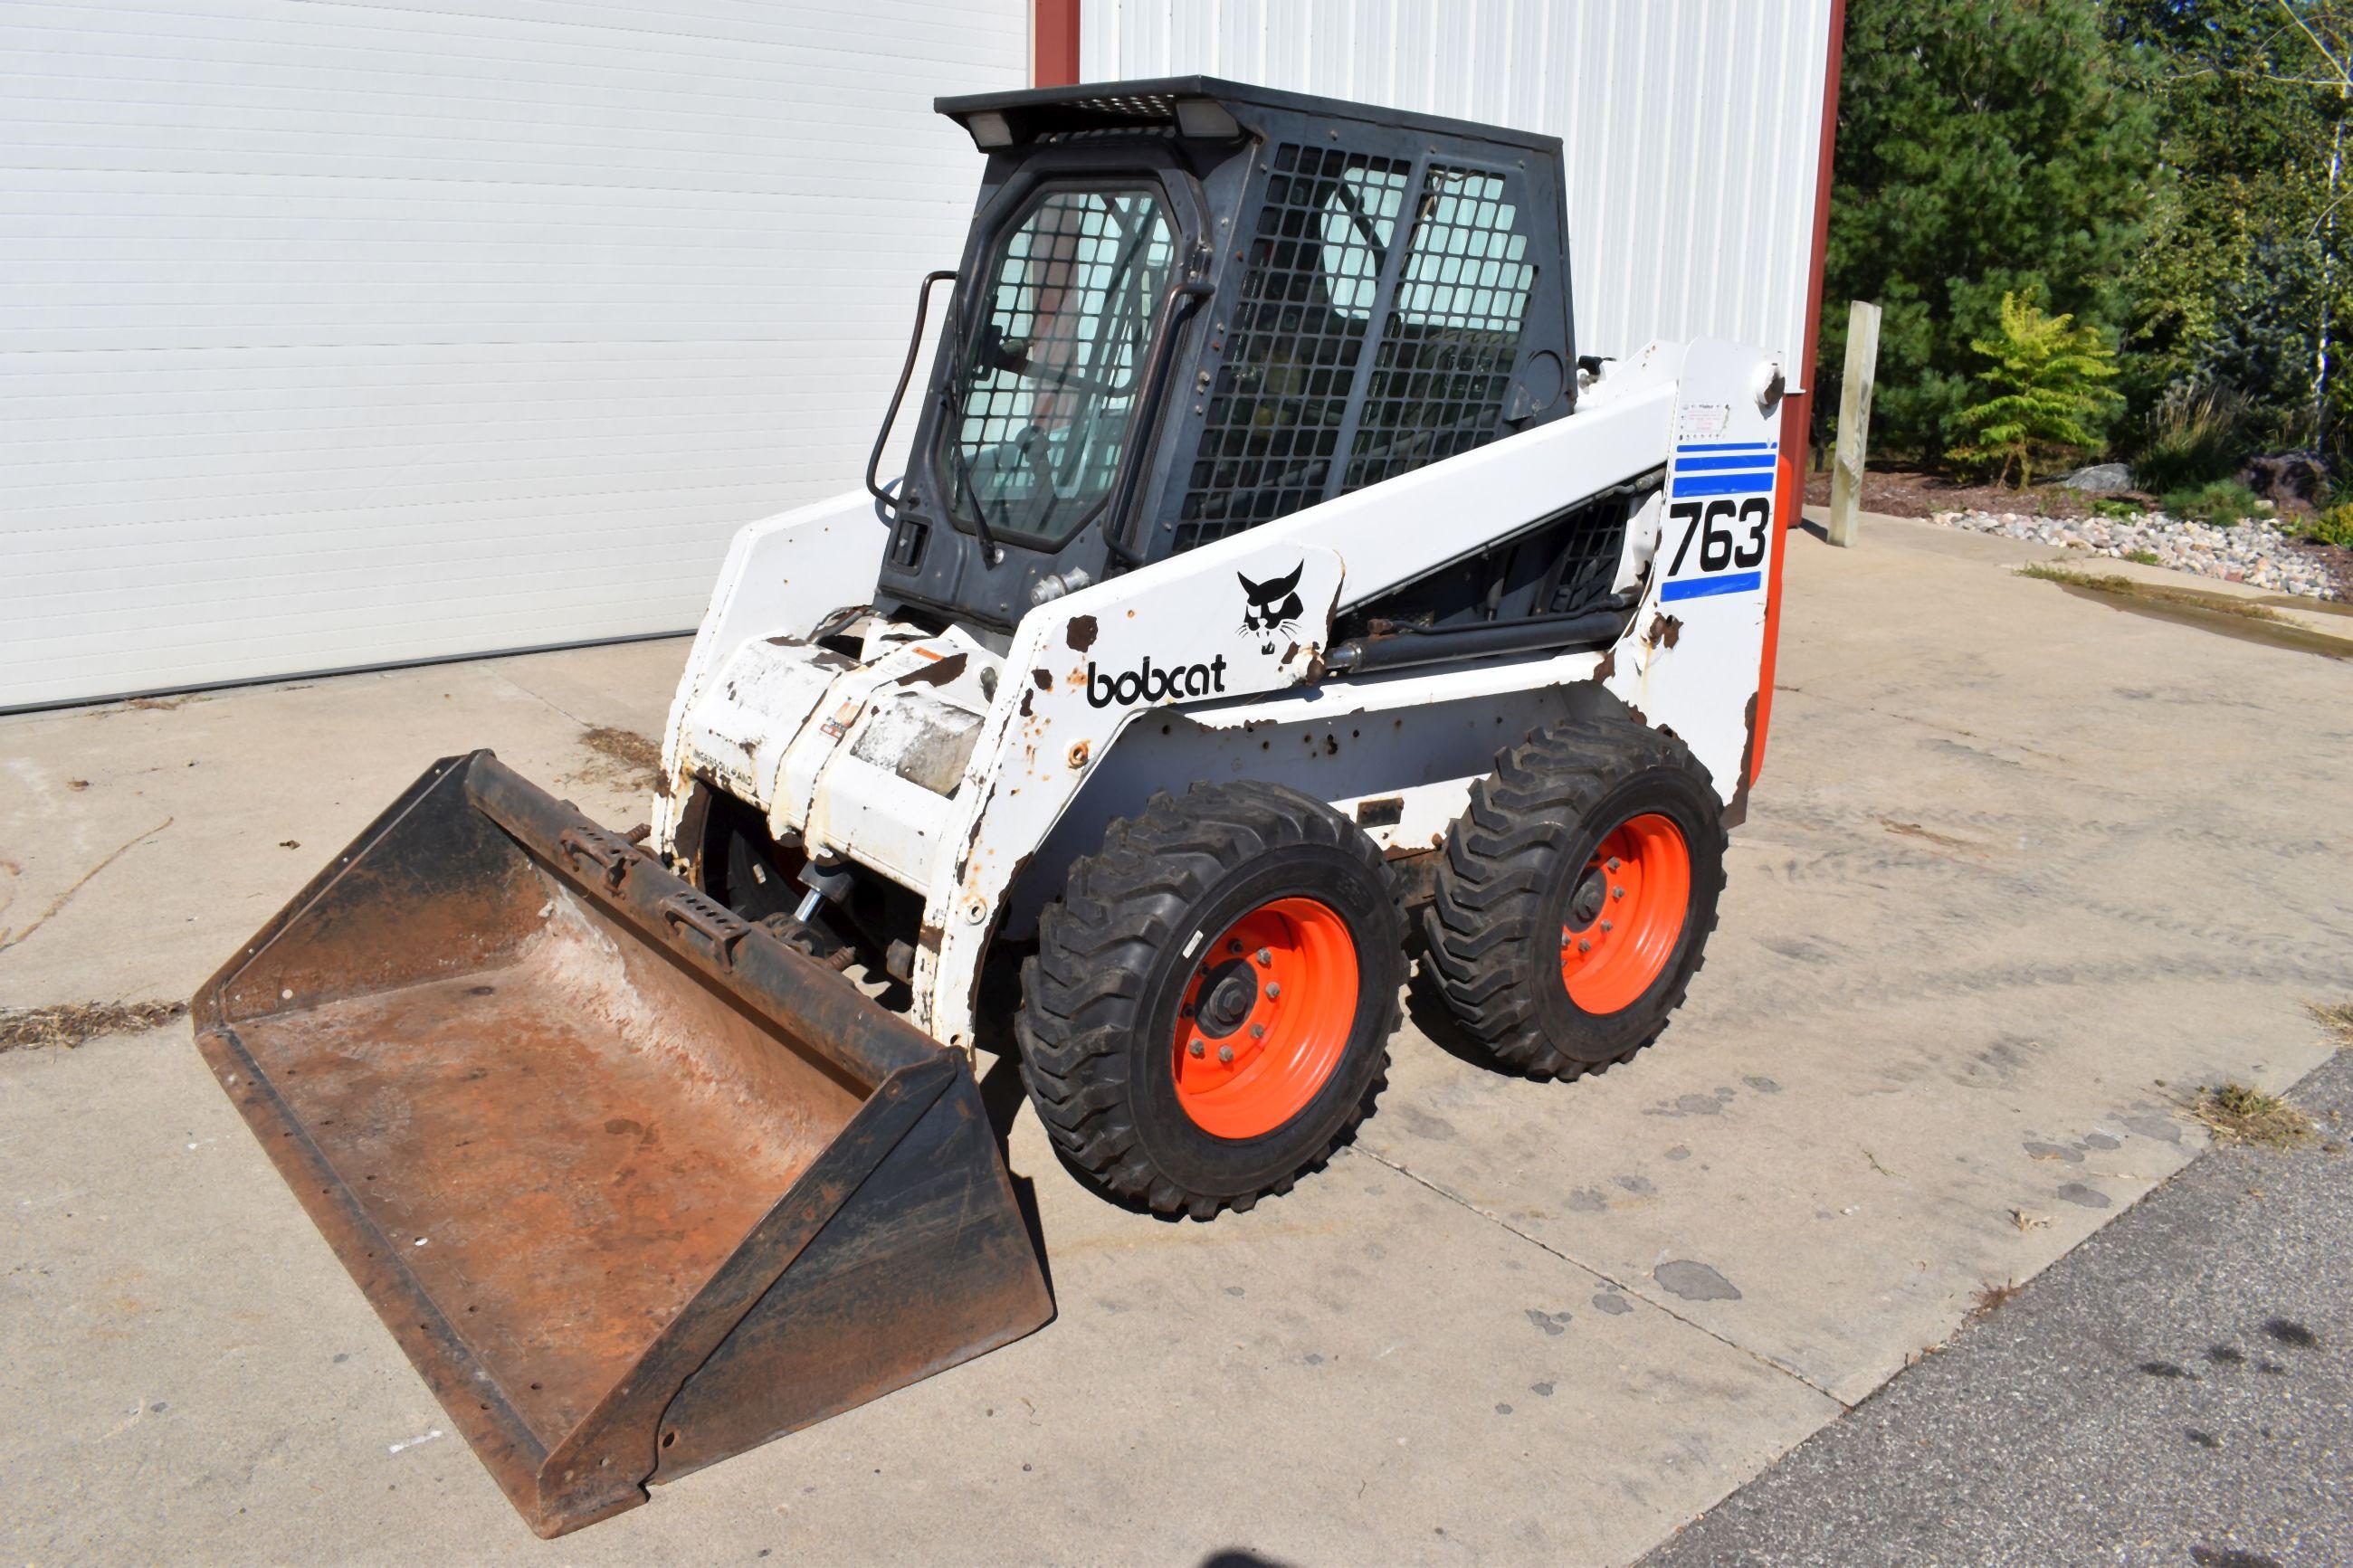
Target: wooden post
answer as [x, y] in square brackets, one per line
[1854, 420]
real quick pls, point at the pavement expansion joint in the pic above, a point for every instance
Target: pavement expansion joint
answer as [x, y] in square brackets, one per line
[1604, 1274]
[503, 679]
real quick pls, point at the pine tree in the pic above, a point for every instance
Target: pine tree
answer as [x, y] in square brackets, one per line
[1984, 148]
[2050, 393]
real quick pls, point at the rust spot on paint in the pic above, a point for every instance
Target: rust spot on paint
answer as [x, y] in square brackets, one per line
[1081, 633]
[1080, 752]
[1044, 677]
[1736, 811]
[1664, 631]
[930, 937]
[937, 673]
[1609, 664]
[1027, 698]
[1413, 873]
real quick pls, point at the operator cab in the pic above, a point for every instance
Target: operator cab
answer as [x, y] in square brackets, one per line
[1188, 307]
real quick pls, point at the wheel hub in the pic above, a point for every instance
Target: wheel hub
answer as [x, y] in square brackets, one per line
[1585, 905]
[1228, 993]
[1266, 1014]
[1626, 913]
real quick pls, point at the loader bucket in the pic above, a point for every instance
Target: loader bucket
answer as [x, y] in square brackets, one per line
[636, 1185]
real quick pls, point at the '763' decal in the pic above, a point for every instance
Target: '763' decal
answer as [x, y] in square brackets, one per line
[1717, 545]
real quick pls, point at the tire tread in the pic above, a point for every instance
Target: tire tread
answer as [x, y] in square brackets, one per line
[1498, 862]
[1082, 990]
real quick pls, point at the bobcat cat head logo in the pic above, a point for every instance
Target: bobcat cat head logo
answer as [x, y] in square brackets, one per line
[1272, 608]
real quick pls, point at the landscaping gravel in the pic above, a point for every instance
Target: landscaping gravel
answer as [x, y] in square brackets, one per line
[2254, 552]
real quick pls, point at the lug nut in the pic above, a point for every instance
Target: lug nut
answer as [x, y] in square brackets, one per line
[1258, 1031]
[1617, 892]
[1614, 862]
[1225, 1053]
[1264, 957]
[1607, 926]
[1195, 1047]
[1272, 990]
[1584, 945]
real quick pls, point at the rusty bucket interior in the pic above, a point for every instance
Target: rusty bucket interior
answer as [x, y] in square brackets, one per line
[636, 1185]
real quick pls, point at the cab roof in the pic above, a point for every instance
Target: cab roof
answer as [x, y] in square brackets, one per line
[1205, 107]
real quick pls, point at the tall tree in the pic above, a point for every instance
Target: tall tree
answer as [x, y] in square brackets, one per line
[2241, 281]
[1984, 148]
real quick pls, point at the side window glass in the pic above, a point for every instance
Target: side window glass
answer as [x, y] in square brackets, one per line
[1270, 438]
[1359, 219]
[1467, 271]
[1052, 374]
[1447, 350]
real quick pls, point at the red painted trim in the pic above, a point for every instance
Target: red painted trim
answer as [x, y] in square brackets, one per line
[1796, 412]
[1054, 43]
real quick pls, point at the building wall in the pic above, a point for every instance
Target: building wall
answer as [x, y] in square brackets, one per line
[344, 333]
[1692, 128]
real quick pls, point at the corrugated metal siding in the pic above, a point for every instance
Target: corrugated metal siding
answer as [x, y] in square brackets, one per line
[1692, 128]
[340, 333]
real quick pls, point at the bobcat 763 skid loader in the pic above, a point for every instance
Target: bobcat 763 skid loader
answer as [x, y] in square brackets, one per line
[1268, 569]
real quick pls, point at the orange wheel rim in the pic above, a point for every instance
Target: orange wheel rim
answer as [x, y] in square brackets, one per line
[1265, 1016]
[1626, 913]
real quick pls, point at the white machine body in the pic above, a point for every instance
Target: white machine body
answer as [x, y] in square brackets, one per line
[973, 777]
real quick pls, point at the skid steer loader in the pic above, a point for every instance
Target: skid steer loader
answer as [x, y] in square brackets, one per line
[1268, 568]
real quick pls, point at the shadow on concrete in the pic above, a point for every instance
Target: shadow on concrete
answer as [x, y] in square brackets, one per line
[1001, 1095]
[1427, 1011]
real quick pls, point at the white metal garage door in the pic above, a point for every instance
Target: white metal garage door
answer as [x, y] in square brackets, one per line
[341, 333]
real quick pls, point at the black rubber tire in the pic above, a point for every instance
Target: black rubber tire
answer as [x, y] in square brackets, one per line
[1493, 932]
[1100, 996]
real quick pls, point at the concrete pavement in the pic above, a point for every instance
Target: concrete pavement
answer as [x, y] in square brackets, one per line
[2177, 1390]
[2021, 868]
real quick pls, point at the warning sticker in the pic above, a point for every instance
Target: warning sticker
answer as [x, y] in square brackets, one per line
[1704, 421]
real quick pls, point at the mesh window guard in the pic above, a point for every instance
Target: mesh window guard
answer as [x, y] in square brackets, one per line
[1591, 538]
[1051, 378]
[1270, 438]
[1446, 351]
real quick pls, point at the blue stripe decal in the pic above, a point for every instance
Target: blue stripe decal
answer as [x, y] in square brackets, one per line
[1685, 465]
[1725, 447]
[1708, 587]
[1724, 485]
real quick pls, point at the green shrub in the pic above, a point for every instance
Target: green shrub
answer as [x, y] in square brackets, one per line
[2195, 434]
[2333, 526]
[2145, 557]
[2224, 503]
[2118, 511]
[2051, 397]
